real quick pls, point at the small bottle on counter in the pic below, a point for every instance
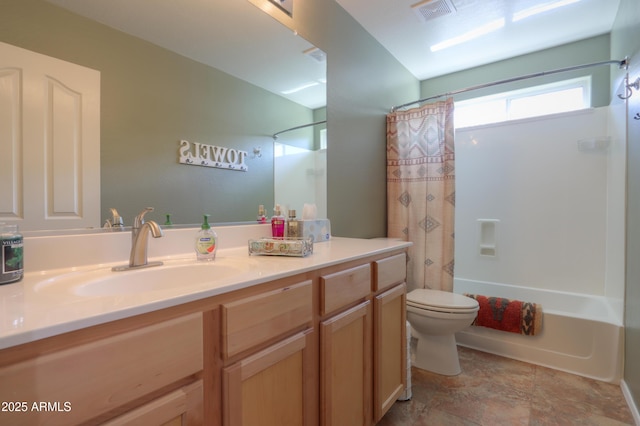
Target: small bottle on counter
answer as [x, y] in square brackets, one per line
[11, 255]
[206, 241]
[277, 223]
[262, 218]
[292, 225]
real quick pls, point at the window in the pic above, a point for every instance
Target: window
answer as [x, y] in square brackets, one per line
[563, 96]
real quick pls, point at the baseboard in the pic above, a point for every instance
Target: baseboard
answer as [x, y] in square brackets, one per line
[632, 405]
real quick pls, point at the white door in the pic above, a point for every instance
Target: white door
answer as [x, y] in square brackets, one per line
[49, 142]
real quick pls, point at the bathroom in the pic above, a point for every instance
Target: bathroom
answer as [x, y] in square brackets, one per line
[355, 106]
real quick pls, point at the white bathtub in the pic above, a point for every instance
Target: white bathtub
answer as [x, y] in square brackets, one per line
[581, 334]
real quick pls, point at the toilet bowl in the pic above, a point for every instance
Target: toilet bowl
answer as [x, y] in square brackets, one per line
[435, 316]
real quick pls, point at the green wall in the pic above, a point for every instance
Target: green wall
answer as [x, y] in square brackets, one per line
[595, 49]
[364, 82]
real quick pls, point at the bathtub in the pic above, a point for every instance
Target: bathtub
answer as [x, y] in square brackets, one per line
[581, 334]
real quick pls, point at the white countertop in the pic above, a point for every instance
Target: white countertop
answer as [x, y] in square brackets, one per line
[43, 304]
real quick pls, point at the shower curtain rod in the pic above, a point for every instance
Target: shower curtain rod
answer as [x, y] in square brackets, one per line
[621, 64]
[275, 135]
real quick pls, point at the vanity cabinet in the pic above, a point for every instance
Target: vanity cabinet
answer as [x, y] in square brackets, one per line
[345, 348]
[389, 345]
[323, 347]
[363, 347]
[268, 387]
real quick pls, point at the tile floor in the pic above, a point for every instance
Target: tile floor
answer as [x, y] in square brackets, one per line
[493, 390]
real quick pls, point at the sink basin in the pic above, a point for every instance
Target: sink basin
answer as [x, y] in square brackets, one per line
[105, 282]
[155, 279]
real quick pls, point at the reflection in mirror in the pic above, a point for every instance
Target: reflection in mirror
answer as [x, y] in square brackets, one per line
[258, 78]
[300, 169]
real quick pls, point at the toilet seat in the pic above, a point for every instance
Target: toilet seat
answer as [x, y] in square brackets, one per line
[441, 301]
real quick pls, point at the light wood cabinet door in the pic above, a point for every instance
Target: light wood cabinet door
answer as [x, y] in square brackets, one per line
[268, 388]
[345, 370]
[389, 349]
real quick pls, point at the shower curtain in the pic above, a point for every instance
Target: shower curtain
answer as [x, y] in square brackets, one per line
[421, 191]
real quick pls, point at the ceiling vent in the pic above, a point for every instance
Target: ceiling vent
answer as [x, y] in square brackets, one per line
[432, 9]
[316, 54]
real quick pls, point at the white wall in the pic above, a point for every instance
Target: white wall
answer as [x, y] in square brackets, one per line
[550, 199]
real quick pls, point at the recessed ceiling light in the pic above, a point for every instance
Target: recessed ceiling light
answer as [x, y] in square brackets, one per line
[480, 31]
[518, 16]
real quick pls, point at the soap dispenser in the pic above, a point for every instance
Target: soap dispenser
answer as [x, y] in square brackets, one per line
[206, 241]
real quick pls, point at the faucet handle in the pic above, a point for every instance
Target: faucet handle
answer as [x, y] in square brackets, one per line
[139, 220]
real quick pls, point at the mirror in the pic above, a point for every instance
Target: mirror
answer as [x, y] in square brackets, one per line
[300, 169]
[252, 85]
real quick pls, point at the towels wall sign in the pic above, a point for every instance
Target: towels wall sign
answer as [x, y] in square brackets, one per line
[199, 154]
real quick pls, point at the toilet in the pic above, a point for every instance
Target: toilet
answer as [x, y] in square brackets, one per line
[435, 316]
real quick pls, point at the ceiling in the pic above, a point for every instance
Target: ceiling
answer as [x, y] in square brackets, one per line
[408, 37]
[238, 38]
[233, 36]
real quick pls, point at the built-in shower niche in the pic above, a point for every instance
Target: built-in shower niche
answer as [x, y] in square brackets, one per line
[487, 229]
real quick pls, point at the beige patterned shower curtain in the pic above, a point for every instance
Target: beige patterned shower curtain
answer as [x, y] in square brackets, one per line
[421, 191]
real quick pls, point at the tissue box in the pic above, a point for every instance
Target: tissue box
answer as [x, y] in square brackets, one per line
[318, 230]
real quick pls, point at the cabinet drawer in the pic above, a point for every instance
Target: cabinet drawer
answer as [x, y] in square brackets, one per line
[390, 271]
[180, 407]
[344, 287]
[257, 319]
[100, 376]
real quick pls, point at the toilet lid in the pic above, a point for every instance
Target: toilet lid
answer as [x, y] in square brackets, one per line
[442, 301]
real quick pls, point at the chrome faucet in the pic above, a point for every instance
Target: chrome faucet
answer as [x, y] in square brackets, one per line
[115, 222]
[140, 241]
